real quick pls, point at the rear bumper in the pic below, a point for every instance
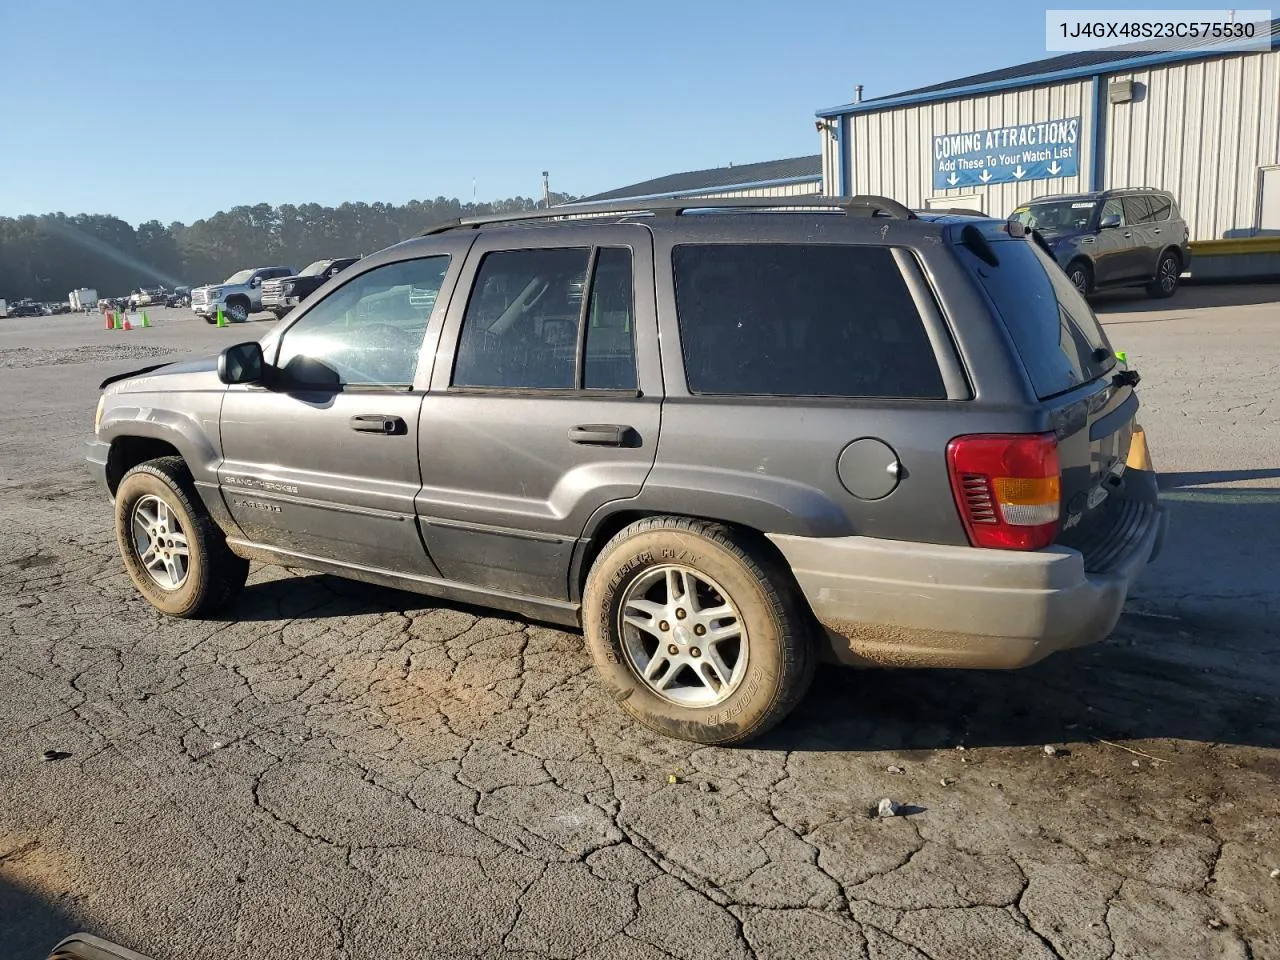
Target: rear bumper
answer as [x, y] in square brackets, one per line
[889, 603]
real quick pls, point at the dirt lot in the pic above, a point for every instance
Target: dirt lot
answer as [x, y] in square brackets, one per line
[348, 772]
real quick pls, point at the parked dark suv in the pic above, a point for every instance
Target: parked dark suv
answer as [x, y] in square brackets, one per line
[282, 294]
[1114, 238]
[718, 440]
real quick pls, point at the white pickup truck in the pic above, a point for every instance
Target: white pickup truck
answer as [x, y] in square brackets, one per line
[238, 296]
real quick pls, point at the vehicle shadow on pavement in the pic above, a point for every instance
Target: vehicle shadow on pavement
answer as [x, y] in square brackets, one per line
[1193, 657]
[1173, 481]
[1135, 685]
[1200, 297]
[30, 926]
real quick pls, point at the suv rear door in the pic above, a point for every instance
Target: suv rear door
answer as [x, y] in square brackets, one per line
[1069, 366]
[544, 404]
[1146, 238]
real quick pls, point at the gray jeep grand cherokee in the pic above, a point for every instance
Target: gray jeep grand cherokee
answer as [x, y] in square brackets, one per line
[723, 441]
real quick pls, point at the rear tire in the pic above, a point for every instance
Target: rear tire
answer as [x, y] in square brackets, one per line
[768, 663]
[212, 576]
[1168, 272]
[1081, 276]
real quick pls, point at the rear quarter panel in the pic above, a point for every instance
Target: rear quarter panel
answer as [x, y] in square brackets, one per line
[771, 463]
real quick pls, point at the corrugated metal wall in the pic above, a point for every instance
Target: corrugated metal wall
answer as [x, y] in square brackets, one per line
[892, 152]
[1200, 130]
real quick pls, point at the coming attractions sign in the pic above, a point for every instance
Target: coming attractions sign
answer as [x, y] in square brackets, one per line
[1026, 151]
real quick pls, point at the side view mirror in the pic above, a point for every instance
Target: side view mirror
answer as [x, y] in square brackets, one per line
[241, 363]
[255, 281]
[1109, 221]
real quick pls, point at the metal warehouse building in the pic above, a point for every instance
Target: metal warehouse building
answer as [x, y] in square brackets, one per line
[1203, 125]
[795, 177]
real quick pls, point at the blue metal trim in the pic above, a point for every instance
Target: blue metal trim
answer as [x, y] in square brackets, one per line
[1097, 131]
[842, 159]
[722, 188]
[1034, 80]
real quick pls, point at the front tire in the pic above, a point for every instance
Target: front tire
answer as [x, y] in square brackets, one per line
[237, 311]
[1168, 272]
[696, 631]
[173, 551]
[1081, 276]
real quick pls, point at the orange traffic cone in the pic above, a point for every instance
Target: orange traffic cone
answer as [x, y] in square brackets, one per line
[106, 315]
[127, 325]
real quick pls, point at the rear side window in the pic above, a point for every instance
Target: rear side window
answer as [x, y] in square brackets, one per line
[1161, 208]
[550, 319]
[1052, 325]
[1137, 210]
[800, 320]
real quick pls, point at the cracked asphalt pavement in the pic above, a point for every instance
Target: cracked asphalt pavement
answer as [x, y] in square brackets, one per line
[349, 772]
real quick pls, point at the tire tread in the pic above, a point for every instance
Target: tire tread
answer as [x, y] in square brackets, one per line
[783, 599]
[225, 573]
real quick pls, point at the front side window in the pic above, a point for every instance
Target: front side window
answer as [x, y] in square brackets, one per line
[801, 320]
[368, 332]
[1113, 208]
[550, 319]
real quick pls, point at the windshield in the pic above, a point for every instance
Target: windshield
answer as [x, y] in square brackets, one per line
[1056, 217]
[316, 268]
[241, 277]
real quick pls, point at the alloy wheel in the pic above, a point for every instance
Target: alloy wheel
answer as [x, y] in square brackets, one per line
[160, 542]
[683, 636]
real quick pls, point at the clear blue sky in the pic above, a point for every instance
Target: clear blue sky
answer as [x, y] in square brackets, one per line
[174, 110]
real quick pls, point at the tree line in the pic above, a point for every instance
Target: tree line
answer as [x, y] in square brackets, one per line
[45, 257]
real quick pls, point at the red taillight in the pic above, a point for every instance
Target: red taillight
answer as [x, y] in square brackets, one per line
[1007, 488]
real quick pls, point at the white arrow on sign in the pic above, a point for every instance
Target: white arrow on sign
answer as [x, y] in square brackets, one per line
[953, 179]
[1018, 172]
[1054, 168]
[984, 176]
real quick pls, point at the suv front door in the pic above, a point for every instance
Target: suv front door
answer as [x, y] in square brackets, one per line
[544, 405]
[324, 461]
[1113, 258]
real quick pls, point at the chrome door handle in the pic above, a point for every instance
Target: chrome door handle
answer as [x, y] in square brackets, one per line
[601, 434]
[382, 423]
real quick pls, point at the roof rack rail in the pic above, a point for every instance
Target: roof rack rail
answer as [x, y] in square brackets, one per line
[866, 206]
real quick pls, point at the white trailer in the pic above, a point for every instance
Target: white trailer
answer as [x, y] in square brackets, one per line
[4, 308]
[83, 299]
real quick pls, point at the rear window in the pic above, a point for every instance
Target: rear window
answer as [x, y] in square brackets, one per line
[800, 320]
[1052, 325]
